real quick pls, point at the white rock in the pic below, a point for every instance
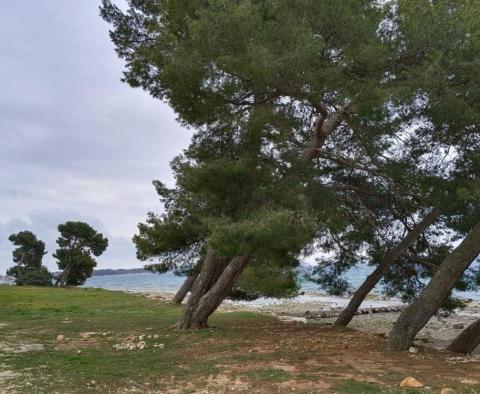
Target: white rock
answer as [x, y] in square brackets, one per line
[447, 390]
[413, 350]
[60, 338]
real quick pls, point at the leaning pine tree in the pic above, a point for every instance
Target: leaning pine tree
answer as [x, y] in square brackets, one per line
[414, 318]
[454, 114]
[231, 208]
[316, 70]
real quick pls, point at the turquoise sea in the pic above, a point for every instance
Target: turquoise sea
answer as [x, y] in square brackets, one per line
[169, 282]
[148, 282]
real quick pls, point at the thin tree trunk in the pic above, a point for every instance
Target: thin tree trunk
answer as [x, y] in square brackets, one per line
[210, 301]
[389, 259]
[412, 319]
[65, 274]
[185, 288]
[19, 275]
[467, 341]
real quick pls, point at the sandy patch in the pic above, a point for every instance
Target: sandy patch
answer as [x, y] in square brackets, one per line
[227, 383]
[20, 347]
[6, 377]
[78, 344]
[304, 386]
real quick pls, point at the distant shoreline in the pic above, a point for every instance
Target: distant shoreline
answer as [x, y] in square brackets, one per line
[120, 271]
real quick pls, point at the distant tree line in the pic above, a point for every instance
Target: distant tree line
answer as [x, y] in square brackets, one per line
[78, 244]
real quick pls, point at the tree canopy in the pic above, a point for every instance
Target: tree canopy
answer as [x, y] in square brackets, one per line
[27, 256]
[78, 244]
[320, 125]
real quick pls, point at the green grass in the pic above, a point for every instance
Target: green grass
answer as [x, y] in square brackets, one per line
[268, 374]
[354, 387]
[238, 347]
[35, 315]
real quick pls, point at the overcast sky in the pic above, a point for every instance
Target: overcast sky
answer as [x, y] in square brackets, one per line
[76, 143]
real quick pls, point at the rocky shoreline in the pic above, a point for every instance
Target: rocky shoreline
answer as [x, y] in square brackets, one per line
[376, 316]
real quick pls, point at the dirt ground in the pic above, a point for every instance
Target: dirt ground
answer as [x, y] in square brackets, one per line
[317, 358]
[241, 352]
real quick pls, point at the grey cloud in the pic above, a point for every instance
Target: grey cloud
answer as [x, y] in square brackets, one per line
[75, 142]
[44, 224]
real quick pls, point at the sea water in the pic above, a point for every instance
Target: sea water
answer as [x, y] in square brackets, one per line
[168, 282]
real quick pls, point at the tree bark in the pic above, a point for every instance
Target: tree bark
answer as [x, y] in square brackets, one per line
[185, 288]
[211, 300]
[412, 320]
[388, 260]
[209, 273]
[322, 129]
[64, 276]
[467, 341]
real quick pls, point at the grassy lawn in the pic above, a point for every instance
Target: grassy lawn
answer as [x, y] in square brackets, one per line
[244, 352]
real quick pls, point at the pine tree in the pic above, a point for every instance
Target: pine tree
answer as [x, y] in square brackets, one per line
[315, 74]
[28, 255]
[78, 244]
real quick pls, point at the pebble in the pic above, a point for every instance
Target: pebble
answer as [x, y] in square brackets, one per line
[60, 338]
[79, 352]
[447, 390]
[458, 326]
[411, 382]
[413, 350]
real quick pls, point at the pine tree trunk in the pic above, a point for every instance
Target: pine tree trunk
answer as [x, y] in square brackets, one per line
[322, 129]
[212, 299]
[18, 280]
[389, 259]
[64, 276]
[414, 318]
[211, 269]
[467, 341]
[185, 288]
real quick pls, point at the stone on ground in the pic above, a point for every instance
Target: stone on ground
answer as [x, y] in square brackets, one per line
[411, 382]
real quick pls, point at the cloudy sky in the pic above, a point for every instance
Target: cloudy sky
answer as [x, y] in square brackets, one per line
[75, 142]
